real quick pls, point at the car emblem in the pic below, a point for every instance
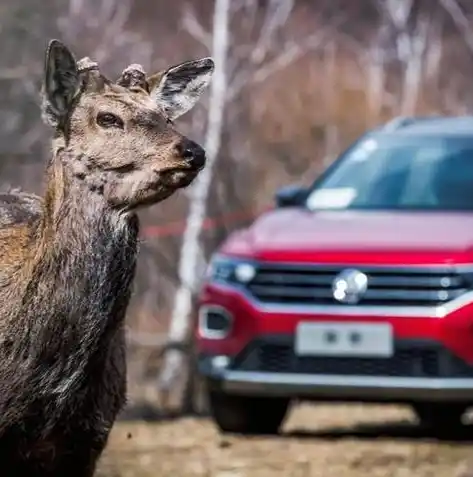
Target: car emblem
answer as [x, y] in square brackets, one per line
[349, 286]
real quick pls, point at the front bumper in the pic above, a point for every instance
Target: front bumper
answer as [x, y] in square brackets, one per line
[419, 370]
[343, 388]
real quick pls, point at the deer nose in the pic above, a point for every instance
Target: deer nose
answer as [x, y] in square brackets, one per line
[192, 153]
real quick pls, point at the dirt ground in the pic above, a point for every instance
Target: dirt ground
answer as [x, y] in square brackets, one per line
[325, 441]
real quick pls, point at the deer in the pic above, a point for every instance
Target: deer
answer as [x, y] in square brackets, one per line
[68, 256]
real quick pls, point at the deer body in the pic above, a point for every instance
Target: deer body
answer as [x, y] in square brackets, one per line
[67, 260]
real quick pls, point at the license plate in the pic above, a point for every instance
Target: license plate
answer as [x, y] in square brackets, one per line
[344, 339]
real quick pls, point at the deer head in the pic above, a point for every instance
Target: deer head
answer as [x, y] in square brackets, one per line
[117, 138]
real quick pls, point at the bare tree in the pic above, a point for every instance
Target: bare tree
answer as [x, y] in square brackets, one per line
[458, 15]
[375, 58]
[100, 27]
[23, 37]
[409, 34]
[409, 46]
[190, 251]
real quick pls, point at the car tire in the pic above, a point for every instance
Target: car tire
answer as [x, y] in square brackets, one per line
[247, 415]
[440, 416]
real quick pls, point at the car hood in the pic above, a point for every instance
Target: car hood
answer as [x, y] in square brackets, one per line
[300, 230]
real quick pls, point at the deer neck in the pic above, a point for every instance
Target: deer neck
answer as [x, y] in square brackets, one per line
[80, 282]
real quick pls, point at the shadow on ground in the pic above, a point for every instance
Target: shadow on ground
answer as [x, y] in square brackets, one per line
[149, 413]
[397, 430]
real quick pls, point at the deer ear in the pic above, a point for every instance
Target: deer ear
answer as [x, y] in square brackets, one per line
[60, 84]
[179, 88]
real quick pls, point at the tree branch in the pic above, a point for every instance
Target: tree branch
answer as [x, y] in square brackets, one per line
[290, 53]
[277, 14]
[460, 20]
[194, 27]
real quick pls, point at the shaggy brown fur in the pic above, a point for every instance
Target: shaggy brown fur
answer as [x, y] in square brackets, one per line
[67, 260]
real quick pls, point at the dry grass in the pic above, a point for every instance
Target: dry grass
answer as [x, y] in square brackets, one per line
[325, 441]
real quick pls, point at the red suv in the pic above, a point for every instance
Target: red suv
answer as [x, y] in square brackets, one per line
[357, 288]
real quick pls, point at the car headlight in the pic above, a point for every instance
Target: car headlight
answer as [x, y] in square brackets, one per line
[229, 270]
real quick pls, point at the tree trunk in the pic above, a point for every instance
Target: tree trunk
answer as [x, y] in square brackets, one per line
[190, 248]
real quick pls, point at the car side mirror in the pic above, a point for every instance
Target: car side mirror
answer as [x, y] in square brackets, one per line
[290, 196]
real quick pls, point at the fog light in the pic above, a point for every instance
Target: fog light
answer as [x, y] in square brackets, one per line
[215, 322]
[245, 272]
[220, 362]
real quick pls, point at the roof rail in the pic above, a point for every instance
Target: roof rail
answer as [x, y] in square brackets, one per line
[401, 121]
[398, 122]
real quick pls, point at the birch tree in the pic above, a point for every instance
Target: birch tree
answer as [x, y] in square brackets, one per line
[190, 251]
[417, 41]
[456, 101]
[246, 63]
[375, 57]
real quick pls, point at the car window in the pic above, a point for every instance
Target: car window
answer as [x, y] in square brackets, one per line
[399, 172]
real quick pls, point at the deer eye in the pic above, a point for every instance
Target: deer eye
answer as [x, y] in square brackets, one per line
[109, 120]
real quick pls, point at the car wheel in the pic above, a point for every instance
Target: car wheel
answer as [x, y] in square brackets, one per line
[440, 416]
[247, 415]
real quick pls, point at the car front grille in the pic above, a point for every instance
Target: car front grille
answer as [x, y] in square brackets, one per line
[412, 358]
[312, 285]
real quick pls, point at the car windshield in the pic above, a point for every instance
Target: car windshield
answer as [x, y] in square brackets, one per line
[400, 173]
